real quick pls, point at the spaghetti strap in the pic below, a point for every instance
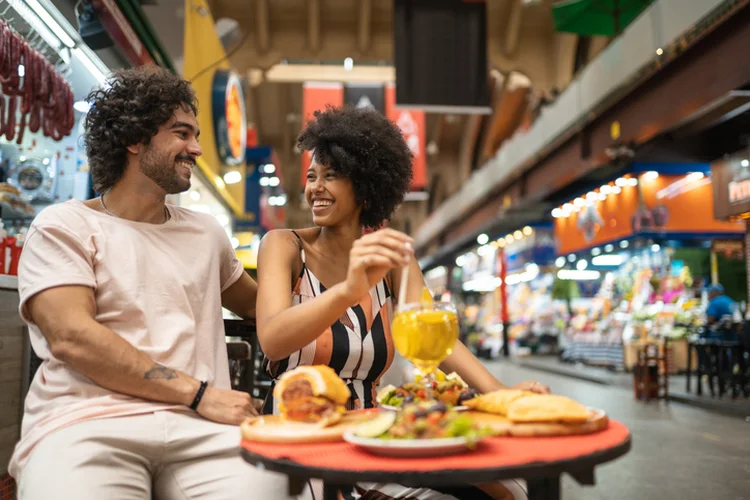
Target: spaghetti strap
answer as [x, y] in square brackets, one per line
[301, 249]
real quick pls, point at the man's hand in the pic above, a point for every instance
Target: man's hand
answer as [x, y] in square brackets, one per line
[537, 387]
[226, 406]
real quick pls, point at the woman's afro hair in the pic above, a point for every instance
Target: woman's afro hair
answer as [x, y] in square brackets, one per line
[364, 146]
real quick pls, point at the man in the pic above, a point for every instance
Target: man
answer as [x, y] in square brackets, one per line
[719, 304]
[123, 299]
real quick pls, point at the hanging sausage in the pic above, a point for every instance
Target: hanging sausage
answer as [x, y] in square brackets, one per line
[41, 96]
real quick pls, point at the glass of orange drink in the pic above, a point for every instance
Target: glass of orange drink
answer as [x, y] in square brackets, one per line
[425, 333]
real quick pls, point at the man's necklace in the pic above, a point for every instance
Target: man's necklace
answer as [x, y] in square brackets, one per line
[104, 207]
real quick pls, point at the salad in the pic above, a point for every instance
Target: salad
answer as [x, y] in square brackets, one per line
[451, 391]
[425, 420]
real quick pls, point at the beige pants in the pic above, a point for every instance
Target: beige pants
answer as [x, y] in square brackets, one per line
[163, 455]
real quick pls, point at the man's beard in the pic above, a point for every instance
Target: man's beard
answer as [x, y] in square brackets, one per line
[156, 165]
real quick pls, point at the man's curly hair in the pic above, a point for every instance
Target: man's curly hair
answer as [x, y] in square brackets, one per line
[130, 110]
[364, 146]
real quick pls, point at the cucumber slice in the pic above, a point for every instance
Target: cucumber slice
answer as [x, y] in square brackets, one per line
[385, 393]
[377, 426]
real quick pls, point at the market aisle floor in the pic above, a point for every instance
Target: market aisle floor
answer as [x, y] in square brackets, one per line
[679, 452]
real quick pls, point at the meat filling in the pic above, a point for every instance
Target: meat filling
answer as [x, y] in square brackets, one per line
[310, 410]
[301, 404]
[297, 389]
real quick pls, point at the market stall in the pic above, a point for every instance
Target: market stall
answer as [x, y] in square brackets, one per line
[511, 275]
[45, 81]
[637, 251]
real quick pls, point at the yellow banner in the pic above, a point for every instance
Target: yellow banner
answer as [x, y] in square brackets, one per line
[203, 57]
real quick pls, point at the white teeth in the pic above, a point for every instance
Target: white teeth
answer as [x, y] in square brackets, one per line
[321, 203]
[185, 164]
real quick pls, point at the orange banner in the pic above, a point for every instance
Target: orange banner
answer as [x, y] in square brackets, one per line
[666, 204]
[316, 96]
[412, 125]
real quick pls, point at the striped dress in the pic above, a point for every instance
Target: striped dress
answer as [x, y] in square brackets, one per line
[358, 346]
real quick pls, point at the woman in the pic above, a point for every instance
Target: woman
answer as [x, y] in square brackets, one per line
[326, 292]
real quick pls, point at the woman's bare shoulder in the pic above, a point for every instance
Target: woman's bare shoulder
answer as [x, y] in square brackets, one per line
[279, 240]
[308, 234]
[283, 242]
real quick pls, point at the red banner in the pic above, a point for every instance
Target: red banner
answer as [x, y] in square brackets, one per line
[271, 217]
[252, 136]
[412, 125]
[316, 96]
[502, 266]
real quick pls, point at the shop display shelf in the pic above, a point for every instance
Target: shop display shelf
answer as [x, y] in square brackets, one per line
[10, 213]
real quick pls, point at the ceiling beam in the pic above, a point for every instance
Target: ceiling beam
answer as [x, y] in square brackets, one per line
[722, 109]
[262, 26]
[509, 108]
[313, 25]
[513, 28]
[298, 73]
[365, 25]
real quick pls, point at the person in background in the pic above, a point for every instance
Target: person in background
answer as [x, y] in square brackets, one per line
[123, 297]
[719, 304]
[326, 293]
[698, 287]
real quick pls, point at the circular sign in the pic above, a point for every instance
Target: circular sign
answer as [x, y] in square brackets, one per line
[33, 178]
[230, 122]
[30, 178]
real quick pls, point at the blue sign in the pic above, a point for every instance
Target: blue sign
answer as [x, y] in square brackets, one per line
[252, 195]
[230, 122]
[542, 255]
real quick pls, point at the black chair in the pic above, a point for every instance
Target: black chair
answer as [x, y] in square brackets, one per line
[719, 352]
[246, 358]
[651, 372]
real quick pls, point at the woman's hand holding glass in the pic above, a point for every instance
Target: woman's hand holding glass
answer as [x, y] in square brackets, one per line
[372, 256]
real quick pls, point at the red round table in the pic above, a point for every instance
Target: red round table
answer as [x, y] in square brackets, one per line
[540, 461]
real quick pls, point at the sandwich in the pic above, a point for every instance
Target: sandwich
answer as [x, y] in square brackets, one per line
[496, 402]
[312, 394]
[528, 407]
[547, 408]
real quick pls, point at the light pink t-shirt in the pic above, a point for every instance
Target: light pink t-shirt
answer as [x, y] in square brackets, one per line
[158, 286]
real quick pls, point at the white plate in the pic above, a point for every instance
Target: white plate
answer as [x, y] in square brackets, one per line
[397, 408]
[409, 448]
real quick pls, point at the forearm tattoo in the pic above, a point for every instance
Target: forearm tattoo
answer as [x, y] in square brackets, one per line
[160, 372]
